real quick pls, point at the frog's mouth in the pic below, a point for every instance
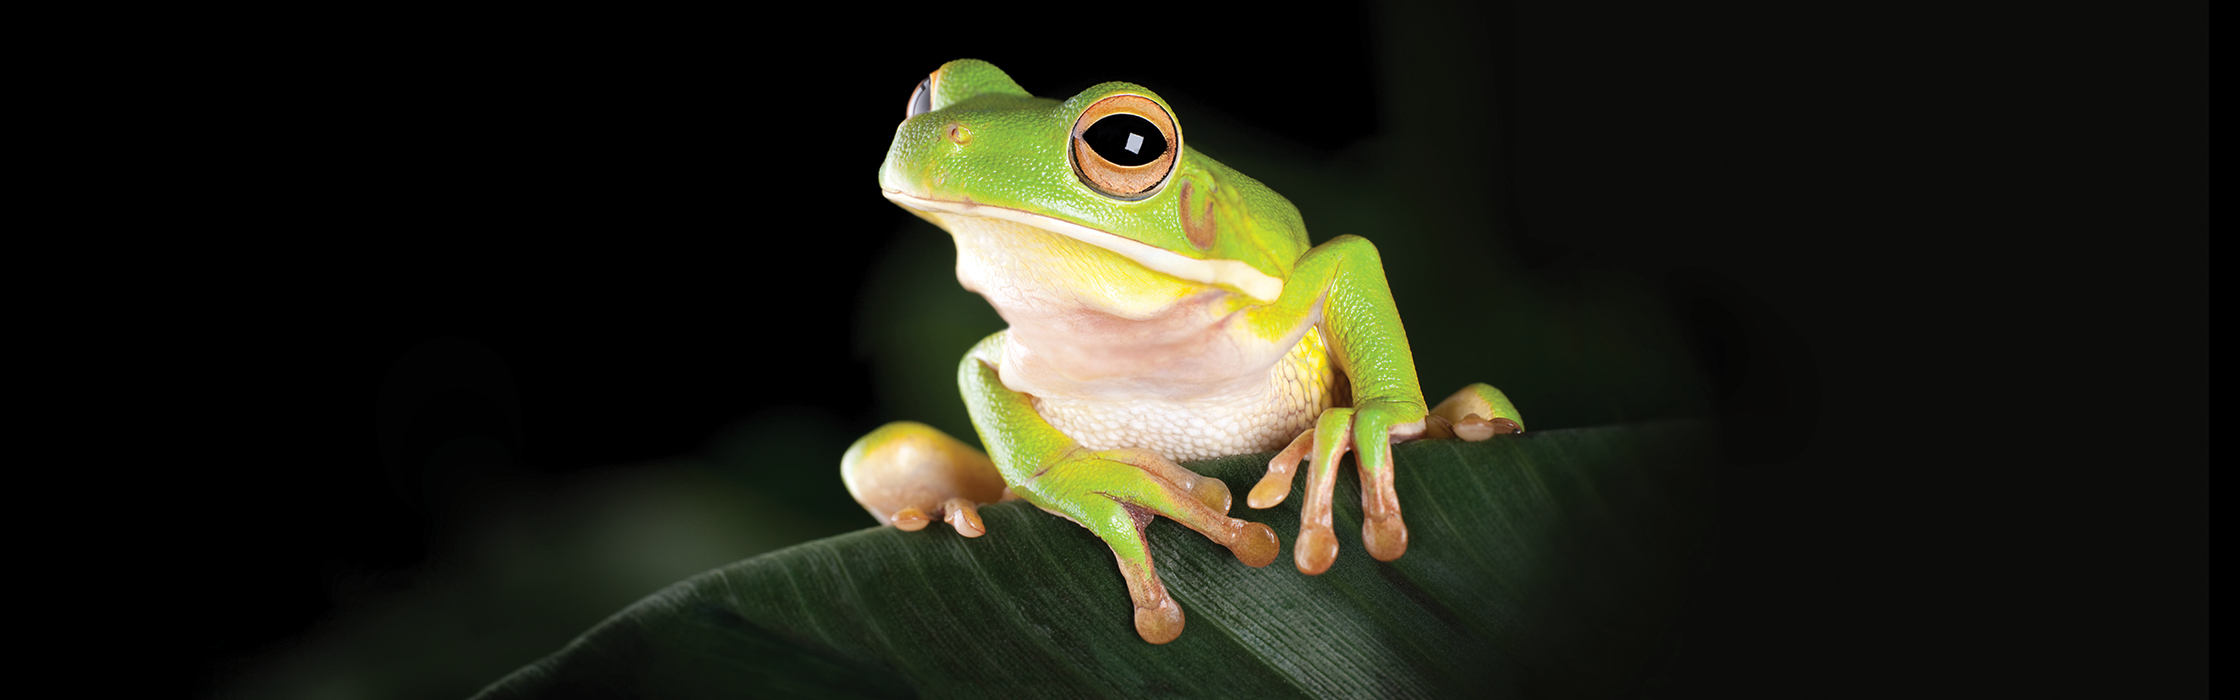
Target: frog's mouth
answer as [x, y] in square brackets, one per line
[1233, 274]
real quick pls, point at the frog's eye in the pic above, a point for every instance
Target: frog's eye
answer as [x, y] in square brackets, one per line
[921, 99]
[1125, 145]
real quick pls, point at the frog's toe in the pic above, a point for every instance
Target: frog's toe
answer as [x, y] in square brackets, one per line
[1317, 547]
[1256, 545]
[964, 516]
[1204, 489]
[1385, 538]
[1199, 508]
[1212, 492]
[1161, 624]
[909, 520]
[1473, 427]
[1274, 487]
[1315, 550]
[1383, 533]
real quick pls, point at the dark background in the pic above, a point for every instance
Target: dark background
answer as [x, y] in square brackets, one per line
[1943, 272]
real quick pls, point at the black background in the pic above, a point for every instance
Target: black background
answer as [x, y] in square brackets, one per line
[1947, 268]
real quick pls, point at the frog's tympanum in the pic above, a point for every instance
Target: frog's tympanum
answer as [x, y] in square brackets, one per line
[1162, 308]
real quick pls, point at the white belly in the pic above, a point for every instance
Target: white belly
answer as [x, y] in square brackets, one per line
[1261, 419]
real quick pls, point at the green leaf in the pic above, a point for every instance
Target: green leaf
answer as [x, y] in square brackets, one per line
[1545, 564]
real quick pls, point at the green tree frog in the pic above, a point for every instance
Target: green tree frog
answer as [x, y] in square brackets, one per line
[1162, 308]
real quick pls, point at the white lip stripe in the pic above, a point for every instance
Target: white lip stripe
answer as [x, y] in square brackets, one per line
[1231, 273]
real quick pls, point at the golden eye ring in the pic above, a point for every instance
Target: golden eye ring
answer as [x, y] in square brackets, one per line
[1124, 146]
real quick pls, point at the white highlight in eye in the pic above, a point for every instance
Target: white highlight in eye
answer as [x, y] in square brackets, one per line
[1135, 143]
[1233, 273]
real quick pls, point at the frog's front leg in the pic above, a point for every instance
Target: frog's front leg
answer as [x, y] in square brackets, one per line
[1113, 493]
[1341, 283]
[1340, 287]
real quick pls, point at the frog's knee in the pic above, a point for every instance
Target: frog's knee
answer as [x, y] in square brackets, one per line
[904, 472]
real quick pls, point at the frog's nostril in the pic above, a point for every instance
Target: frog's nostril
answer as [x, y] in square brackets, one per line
[959, 135]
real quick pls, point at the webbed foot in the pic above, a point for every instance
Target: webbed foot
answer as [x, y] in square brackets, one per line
[1116, 493]
[1368, 431]
[1477, 412]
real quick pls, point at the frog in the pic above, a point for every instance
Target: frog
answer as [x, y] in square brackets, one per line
[1161, 308]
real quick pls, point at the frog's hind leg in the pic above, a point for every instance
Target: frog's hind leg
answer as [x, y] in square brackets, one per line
[1123, 490]
[908, 474]
[1477, 412]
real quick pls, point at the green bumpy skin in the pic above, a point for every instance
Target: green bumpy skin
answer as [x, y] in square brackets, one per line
[1159, 311]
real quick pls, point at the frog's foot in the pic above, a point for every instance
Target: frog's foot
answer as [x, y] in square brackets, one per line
[1477, 412]
[1115, 493]
[909, 474]
[1369, 431]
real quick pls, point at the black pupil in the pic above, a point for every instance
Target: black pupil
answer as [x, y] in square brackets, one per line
[1125, 139]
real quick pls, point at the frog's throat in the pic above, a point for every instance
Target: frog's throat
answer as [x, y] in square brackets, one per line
[1229, 273]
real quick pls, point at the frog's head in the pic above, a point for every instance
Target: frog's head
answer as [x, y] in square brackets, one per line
[1108, 167]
